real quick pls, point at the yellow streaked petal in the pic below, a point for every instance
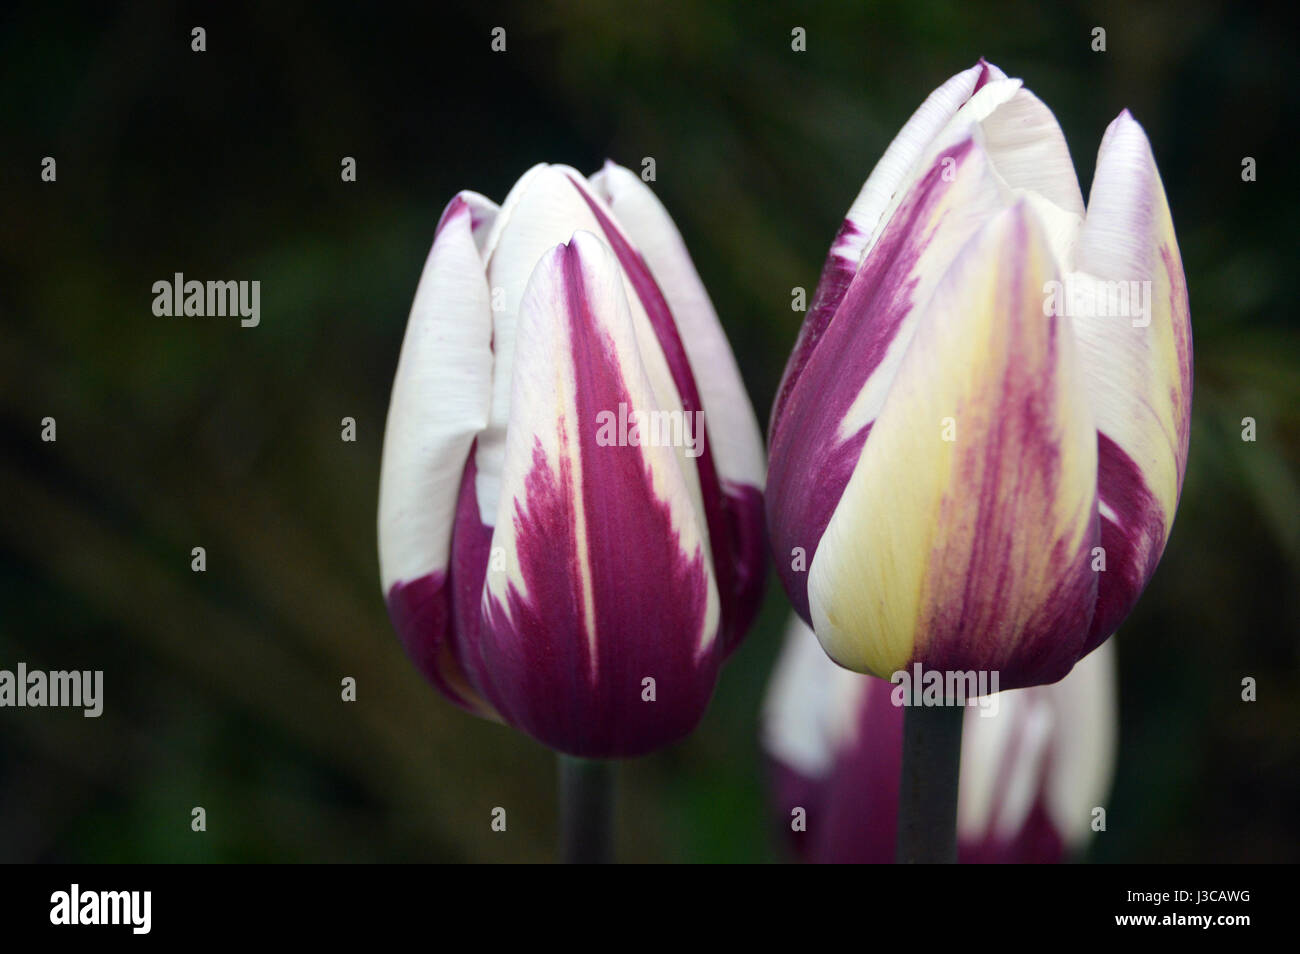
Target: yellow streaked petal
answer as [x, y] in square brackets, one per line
[962, 536]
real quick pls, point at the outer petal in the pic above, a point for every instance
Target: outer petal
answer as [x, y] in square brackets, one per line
[893, 174]
[737, 443]
[604, 579]
[834, 742]
[439, 403]
[735, 542]
[1086, 708]
[1138, 375]
[829, 412]
[1032, 775]
[736, 446]
[545, 208]
[1005, 759]
[979, 559]
[540, 212]
[810, 710]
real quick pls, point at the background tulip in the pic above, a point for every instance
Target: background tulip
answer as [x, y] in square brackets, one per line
[533, 572]
[956, 477]
[1031, 774]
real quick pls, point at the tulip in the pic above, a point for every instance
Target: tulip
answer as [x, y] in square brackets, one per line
[1034, 768]
[977, 447]
[546, 561]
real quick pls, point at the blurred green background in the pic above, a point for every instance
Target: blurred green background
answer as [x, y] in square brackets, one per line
[222, 688]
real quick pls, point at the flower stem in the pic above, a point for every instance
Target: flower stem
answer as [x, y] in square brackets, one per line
[927, 795]
[586, 810]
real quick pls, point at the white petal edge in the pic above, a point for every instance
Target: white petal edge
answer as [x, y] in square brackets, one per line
[732, 425]
[1133, 372]
[439, 403]
[810, 711]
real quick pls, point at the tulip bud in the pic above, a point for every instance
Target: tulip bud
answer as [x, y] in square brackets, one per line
[570, 506]
[978, 445]
[1036, 764]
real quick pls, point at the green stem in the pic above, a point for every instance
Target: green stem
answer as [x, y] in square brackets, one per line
[927, 796]
[586, 811]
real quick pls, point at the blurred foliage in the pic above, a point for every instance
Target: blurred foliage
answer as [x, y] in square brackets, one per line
[223, 688]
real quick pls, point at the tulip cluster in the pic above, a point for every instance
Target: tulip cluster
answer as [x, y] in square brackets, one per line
[974, 460]
[541, 566]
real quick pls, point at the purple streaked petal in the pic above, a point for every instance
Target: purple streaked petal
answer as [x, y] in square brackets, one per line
[420, 614]
[859, 815]
[740, 592]
[737, 443]
[439, 404]
[605, 580]
[979, 560]
[893, 172]
[430, 613]
[829, 412]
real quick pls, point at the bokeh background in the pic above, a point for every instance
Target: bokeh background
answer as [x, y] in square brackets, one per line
[222, 688]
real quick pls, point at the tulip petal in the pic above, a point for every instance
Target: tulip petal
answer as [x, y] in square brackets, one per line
[544, 209]
[1138, 374]
[731, 509]
[439, 402]
[893, 174]
[1007, 505]
[830, 410]
[1029, 152]
[540, 212]
[603, 580]
[810, 710]
[1048, 750]
[834, 739]
[737, 443]
[1004, 763]
[1084, 743]
[482, 216]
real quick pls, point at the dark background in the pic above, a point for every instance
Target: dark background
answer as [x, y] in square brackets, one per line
[222, 688]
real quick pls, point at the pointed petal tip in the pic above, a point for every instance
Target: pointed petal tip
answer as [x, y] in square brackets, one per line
[583, 244]
[988, 72]
[455, 207]
[1124, 126]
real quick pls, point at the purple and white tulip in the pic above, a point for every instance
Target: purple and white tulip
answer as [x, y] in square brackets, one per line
[1032, 775]
[979, 442]
[547, 562]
